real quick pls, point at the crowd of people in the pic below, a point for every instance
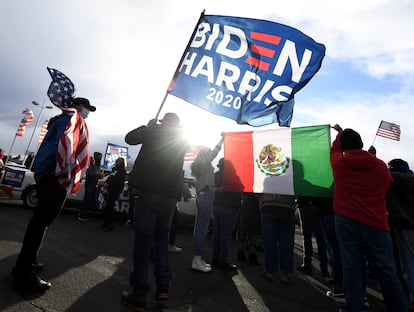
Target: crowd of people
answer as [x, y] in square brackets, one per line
[367, 226]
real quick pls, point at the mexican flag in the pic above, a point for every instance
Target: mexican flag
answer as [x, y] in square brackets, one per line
[292, 161]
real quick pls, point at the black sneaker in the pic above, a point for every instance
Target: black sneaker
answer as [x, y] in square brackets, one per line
[132, 302]
[82, 218]
[305, 269]
[336, 294]
[162, 292]
[35, 267]
[30, 282]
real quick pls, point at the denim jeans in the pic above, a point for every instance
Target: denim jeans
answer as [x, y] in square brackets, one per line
[224, 221]
[405, 247]
[51, 197]
[359, 242]
[90, 200]
[204, 209]
[153, 214]
[278, 238]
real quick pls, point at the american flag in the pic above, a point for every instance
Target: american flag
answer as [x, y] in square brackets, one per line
[73, 153]
[61, 89]
[43, 132]
[27, 118]
[191, 154]
[389, 130]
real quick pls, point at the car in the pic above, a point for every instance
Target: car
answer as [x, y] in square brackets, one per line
[18, 183]
[186, 206]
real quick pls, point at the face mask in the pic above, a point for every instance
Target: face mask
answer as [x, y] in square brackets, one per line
[84, 113]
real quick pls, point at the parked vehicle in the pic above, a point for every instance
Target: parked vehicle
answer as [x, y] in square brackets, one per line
[17, 182]
[186, 207]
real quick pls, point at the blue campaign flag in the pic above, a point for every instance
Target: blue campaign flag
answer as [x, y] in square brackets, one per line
[246, 69]
[113, 151]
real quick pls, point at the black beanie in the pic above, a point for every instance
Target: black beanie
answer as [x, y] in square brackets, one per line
[398, 165]
[350, 140]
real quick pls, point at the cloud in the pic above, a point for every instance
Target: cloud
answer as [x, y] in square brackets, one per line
[122, 55]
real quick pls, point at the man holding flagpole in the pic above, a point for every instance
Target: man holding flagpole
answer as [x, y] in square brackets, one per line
[59, 167]
[156, 178]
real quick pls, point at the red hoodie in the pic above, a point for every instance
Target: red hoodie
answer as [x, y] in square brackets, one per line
[361, 183]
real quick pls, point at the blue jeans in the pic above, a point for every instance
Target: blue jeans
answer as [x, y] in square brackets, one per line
[90, 200]
[204, 209]
[224, 221]
[405, 247]
[153, 214]
[359, 242]
[278, 238]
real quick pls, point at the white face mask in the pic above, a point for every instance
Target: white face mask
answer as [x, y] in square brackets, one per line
[84, 113]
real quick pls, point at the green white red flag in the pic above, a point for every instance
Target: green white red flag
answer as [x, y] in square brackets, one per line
[291, 161]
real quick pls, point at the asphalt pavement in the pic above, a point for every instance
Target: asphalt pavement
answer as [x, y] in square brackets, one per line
[89, 268]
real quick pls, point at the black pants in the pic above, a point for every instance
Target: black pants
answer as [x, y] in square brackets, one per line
[311, 224]
[173, 228]
[51, 197]
[109, 209]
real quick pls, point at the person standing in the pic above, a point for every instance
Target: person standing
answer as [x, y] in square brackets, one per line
[225, 209]
[249, 228]
[400, 206]
[203, 171]
[157, 178]
[311, 226]
[55, 175]
[278, 231]
[115, 185]
[93, 174]
[361, 182]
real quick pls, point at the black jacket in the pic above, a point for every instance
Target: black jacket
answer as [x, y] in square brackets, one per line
[400, 201]
[159, 164]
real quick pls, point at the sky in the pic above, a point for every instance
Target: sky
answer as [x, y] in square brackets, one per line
[122, 54]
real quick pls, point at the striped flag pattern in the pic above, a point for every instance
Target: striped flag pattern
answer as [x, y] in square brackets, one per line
[43, 132]
[389, 130]
[191, 154]
[73, 153]
[28, 117]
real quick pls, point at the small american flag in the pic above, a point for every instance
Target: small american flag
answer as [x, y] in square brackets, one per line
[27, 118]
[389, 130]
[191, 154]
[43, 132]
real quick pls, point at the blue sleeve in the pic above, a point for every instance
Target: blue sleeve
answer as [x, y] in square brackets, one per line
[45, 160]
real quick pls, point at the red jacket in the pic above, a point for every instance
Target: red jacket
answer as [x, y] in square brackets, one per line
[361, 183]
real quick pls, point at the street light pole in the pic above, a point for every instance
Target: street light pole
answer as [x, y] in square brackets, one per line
[43, 106]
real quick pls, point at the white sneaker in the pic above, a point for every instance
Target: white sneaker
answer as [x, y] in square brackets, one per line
[197, 265]
[205, 263]
[174, 249]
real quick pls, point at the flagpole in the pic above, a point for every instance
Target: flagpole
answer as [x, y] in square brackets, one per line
[10, 149]
[179, 64]
[37, 148]
[376, 134]
[37, 121]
